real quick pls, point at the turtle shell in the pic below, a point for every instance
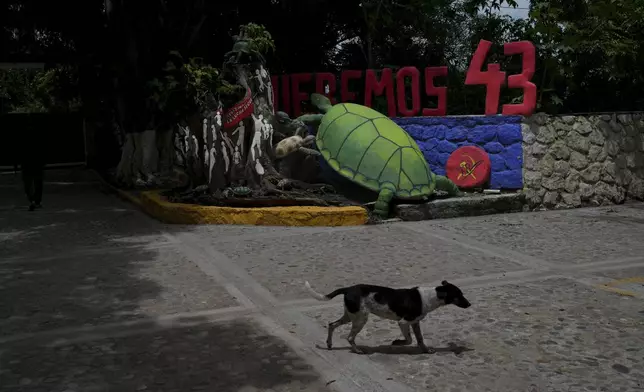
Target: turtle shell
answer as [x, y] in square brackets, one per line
[370, 149]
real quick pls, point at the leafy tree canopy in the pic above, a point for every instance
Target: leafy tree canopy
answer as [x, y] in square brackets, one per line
[118, 50]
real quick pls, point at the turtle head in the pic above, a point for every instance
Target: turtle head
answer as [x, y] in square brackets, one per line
[321, 102]
[307, 141]
[289, 126]
[282, 117]
[287, 146]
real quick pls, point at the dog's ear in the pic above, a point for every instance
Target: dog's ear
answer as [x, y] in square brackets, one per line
[441, 292]
[444, 283]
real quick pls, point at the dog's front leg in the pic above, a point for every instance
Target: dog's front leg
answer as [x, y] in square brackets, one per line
[419, 339]
[404, 328]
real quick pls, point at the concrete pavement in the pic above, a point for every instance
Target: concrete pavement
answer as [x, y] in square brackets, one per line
[96, 296]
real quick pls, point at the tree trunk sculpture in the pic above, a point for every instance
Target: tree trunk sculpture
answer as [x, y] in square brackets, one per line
[217, 149]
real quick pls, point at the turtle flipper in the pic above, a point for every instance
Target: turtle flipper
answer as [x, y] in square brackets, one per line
[381, 209]
[446, 185]
[307, 120]
[321, 102]
[310, 119]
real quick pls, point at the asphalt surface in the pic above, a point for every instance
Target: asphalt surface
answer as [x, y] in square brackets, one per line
[96, 296]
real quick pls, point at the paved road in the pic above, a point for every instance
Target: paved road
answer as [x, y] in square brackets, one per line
[96, 296]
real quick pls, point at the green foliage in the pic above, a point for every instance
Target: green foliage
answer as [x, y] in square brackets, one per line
[38, 91]
[188, 87]
[259, 39]
[588, 51]
[203, 82]
[488, 6]
[17, 91]
[183, 88]
[58, 89]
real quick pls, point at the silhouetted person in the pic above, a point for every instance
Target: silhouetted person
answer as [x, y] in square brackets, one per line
[32, 163]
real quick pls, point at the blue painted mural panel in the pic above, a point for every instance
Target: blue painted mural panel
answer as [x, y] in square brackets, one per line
[499, 136]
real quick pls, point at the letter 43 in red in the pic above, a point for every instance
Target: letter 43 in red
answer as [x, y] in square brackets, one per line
[493, 78]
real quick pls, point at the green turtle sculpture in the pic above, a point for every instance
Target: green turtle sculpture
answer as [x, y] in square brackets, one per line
[371, 150]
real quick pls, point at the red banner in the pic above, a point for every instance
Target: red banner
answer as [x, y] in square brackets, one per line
[239, 111]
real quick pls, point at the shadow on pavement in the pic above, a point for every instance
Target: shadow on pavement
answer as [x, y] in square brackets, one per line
[403, 350]
[78, 261]
[88, 259]
[224, 358]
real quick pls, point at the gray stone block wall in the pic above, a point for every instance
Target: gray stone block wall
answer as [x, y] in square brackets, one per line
[574, 161]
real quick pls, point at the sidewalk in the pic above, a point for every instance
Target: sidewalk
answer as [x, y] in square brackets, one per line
[96, 296]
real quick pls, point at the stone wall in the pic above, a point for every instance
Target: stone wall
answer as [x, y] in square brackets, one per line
[499, 136]
[573, 161]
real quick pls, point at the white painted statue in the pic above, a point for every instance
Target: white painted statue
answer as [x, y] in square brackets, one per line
[263, 72]
[229, 143]
[224, 153]
[260, 79]
[267, 83]
[212, 161]
[256, 148]
[265, 126]
[259, 168]
[186, 139]
[213, 130]
[218, 119]
[237, 156]
[179, 149]
[241, 129]
[257, 136]
[206, 154]
[195, 144]
[270, 133]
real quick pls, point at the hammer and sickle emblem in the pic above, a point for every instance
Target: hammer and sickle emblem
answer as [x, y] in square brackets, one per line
[467, 168]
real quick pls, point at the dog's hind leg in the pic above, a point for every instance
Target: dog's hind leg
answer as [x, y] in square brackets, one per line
[419, 339]
[345, 319]
[404, 328]
[358, 321]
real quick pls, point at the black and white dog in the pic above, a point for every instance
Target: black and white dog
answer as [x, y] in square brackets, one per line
[406, 306]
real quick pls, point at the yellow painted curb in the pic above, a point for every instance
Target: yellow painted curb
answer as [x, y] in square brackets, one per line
[130, 196]
[158, 207]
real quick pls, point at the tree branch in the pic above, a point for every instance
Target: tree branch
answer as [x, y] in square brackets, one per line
[196, 30]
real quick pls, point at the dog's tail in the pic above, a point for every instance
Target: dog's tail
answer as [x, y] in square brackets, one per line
[322, 297]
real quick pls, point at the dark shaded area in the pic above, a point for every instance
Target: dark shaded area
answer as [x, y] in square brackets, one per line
[87, 259]
[389, 349]
[59, 136]
[320, 195]
[74, 283]
[216, 357]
